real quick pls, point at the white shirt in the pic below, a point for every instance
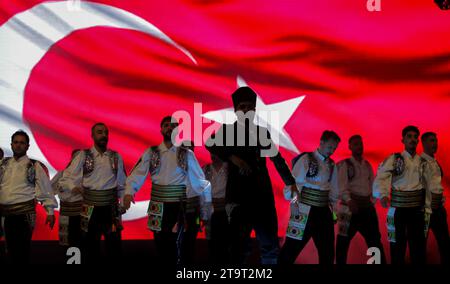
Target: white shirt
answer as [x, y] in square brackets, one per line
[218, 179]
[436, 174]
[15, 187]
[320, 182]
[412, 178]
[360, 184]
[101, 178]
[169, 173]
[64, 195]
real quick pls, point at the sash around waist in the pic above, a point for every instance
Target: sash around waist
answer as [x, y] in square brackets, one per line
[407, 199]
[18, 208]
[314, 197]
[168, 193]
[100, 197]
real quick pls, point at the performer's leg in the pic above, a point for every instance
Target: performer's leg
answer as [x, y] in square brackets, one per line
[416, 237]
[323, 235]
[439, 226]
[369, 229]
[292, 247]
[75, 231]
[398, 248]
[166, 240]
[343, 243]
[266, 229]
[113, 242]
[18, 232]
[220, 242]
[190, 236]
[240, 230]
[93, 236]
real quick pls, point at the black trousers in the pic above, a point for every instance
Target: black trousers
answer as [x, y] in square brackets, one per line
[319, 227]
[264, 221]
[18, 231]
[219, 244]
[75, 233]
[100, 224]
[365, 221]
[439, 227]
[409, 230]
[192, 226]
[169, 240]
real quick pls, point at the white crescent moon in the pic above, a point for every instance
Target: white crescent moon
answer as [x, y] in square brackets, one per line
[26, 38]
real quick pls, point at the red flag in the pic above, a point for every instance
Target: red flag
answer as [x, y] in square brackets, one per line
[370, 73]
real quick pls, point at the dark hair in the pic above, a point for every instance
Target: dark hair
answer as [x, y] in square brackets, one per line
[165, 119]
[328, 135]
[353, 137]
[427, 135]
[1, 153]
[188, 143]
[410, 128]
[21, 133]
[97, 124]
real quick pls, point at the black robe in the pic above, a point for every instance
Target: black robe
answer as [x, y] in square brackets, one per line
[254, 190]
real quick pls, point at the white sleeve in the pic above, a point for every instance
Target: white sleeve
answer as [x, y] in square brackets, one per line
[428, 176]
[73, 176]
[344, 193]
[121, 177]
[138, 175]
[44, 192]
[299, 172]
[334, 192]
[196, 177]
[383, 179]
[55, 182]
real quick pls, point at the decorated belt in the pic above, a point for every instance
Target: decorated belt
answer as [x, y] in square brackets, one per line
[71, 208]
[314, 197]
[407, 199]
[168, 193]
[192, 204]
[18, 208]
[362, 201]
[100, 197]
[436, 200]
[219, 204]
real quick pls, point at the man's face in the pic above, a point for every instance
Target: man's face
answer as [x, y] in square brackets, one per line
[356, 146]
[410, 140]
[247, 109]
[167, 129]
[100, 136]
[430, 145]
[19, 145]
[327, 148]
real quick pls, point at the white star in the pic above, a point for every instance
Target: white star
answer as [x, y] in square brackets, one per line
[273, 116]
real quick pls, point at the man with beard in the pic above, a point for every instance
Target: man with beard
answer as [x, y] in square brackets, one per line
[313, 207]
[438, 221]
[172, 169]
[356, 212]
[98, 174]
[23, 181]
[401, 184]
[249, 196]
